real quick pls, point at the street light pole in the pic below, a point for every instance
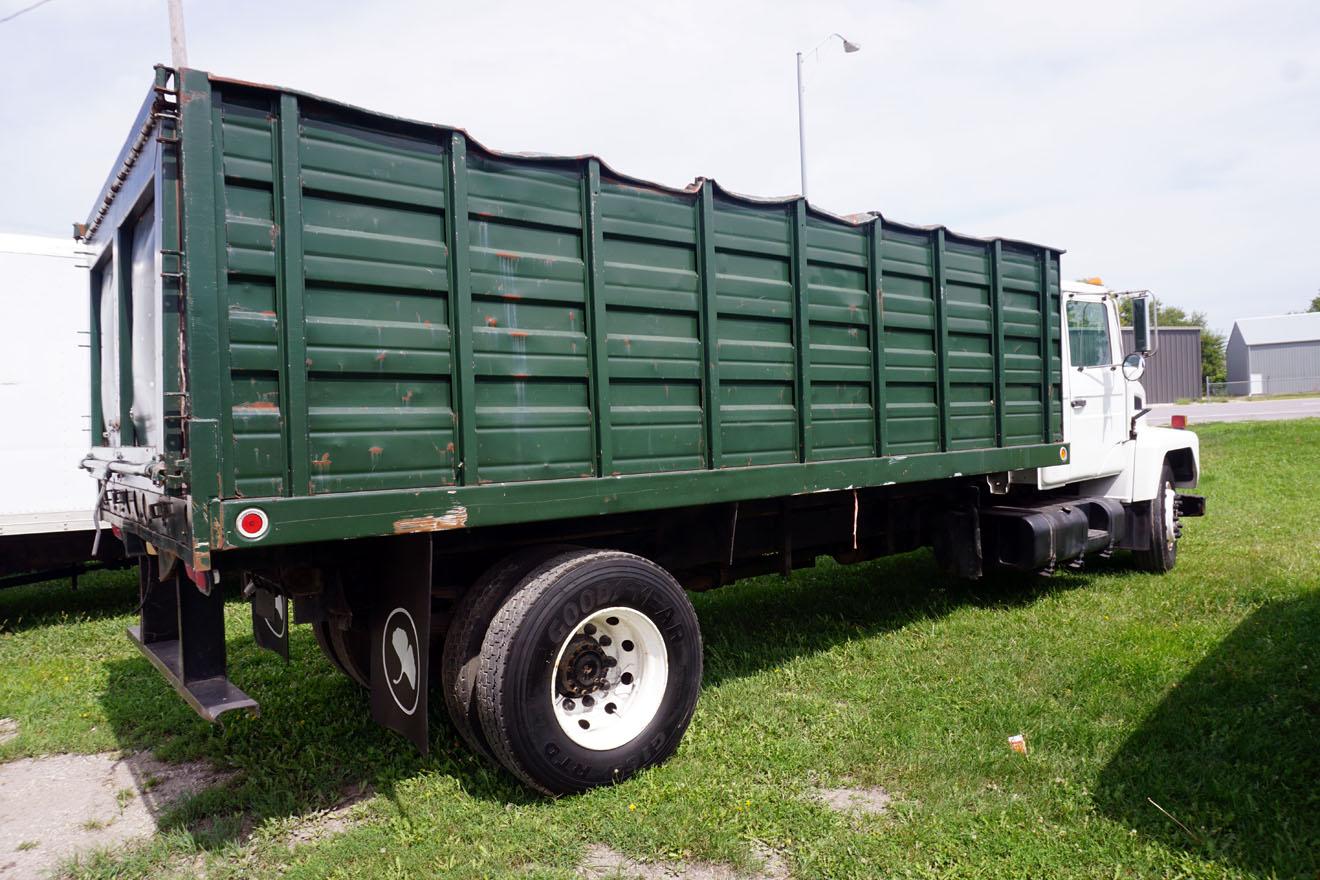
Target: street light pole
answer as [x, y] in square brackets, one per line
[849, 47]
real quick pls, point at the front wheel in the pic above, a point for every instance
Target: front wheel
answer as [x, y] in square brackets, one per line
[1162, 554]
[589, 672]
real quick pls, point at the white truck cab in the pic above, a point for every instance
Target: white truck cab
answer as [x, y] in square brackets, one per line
[1114, 453]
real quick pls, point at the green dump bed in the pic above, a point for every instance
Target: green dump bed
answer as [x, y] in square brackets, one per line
[373, 325]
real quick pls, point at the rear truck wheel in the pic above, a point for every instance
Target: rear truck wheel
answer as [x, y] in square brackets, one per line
[467, 629]
[322, 633]
[1164, 528]
[349, 650]
[589, 672]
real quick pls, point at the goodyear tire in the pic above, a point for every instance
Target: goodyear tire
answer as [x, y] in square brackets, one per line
[467, 630]
[1162, 555]
[589, 672]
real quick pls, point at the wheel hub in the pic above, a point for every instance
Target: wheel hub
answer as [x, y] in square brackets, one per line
[583, 668]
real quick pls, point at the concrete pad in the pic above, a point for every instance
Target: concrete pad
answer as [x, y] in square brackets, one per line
[55, 807]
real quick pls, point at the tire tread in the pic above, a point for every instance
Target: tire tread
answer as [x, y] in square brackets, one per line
[467, 630]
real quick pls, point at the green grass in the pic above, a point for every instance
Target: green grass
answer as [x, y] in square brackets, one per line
[1199, 691]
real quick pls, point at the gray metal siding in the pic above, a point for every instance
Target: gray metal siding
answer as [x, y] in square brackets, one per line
[1175, 370]
[1238, 360]
[1287, 368]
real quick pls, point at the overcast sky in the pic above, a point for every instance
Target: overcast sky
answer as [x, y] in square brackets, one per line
[1165, 144]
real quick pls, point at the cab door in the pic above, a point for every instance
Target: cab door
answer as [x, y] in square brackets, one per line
[1095, 415]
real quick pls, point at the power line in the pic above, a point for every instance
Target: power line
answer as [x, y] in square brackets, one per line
[13, 15]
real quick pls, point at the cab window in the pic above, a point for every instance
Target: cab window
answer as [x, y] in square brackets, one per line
[1088, 334]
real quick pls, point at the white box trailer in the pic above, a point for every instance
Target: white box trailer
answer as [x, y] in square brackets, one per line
[46, 523]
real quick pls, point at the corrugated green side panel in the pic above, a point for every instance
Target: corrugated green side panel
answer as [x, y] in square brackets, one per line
[402, 310]
[754, 329]
[970, 358]
[251, 390]
[839, 314]
[1054, 316]
[652, 294]
[357, 308]
[529, 333]
[910, 339]
[1023, 350]
[376, 302]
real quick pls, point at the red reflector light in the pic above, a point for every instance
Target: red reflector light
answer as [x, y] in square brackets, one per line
[1178, 421]
[253, 523]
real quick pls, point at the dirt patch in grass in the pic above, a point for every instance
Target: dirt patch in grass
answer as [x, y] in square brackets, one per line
[604, 863]
[867, 801]
[56, 807]
[327, 823]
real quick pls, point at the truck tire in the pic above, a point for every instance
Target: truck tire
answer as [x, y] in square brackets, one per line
[348, 650]
[589, 672]
[1162, 555]
[467, 629]
[321, 631]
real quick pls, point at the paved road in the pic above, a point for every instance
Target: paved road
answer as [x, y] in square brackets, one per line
[1238, 410]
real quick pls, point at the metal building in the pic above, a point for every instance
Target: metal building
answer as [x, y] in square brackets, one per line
[1279, 354]
[1174, 372]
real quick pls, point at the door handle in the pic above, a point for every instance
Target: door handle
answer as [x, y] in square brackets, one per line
[1078, 403]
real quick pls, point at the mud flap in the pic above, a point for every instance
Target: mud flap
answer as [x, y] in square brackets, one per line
[957, 542]
[401, 635]
[270, 620]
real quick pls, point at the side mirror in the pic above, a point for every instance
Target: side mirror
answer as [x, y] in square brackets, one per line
[1134, 366]
[1143, 325]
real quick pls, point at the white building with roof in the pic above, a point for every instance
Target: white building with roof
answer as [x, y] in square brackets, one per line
[1279, 354]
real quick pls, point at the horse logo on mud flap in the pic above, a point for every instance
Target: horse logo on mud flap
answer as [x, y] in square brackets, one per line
[399, 656]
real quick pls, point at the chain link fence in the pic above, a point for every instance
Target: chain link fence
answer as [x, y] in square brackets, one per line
[1263, 386]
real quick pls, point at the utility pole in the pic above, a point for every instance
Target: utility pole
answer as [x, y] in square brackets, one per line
[178, 41]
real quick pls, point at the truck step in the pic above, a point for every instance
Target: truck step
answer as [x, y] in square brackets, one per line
[209, 697]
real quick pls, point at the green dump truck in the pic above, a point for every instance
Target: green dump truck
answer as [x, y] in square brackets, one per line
[480, 419]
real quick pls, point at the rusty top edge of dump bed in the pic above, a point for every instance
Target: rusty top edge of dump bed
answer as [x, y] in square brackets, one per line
[692, 189]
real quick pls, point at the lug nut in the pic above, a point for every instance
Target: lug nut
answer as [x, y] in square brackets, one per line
[605, 641]
[588, 701]
[589, 629]
[569, 705]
